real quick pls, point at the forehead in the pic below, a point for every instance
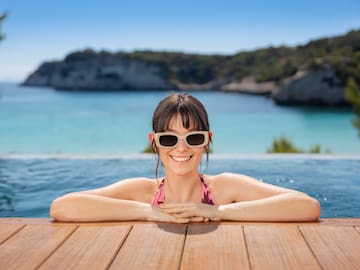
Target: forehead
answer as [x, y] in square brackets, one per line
[178, 122]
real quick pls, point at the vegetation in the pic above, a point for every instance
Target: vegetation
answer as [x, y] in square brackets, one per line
[352, 94]
[269, 64]
[284, 145]
[148, 150]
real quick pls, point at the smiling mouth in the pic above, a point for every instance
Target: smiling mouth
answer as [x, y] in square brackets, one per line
[180, 159]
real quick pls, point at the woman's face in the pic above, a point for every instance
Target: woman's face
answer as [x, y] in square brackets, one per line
[182, 159]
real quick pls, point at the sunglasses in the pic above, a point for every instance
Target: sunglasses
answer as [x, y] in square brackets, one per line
[171, 139]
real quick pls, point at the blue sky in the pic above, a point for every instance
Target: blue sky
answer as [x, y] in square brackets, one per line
[39, 30]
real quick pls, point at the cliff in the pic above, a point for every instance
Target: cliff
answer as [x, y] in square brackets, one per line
[321, 87]
[99, 72]
[314, 73]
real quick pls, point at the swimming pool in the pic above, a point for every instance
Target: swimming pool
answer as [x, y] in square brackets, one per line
[28, 183]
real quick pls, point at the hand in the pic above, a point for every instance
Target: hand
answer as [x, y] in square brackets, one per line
[196, 212]
[158, 215]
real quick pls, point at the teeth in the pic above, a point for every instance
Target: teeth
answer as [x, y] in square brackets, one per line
[180, 159]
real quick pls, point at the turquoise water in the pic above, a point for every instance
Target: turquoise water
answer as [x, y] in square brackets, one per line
[43, 120]
[28, 185]
[43, 131]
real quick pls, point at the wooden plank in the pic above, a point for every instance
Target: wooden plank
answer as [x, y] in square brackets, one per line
[89, 247]
[7, 230]
[335, 247]
[32, 245]
[27, 220]
[278, 247]
[209, 246]
[325, 221]
[340, 221]
[152, 246]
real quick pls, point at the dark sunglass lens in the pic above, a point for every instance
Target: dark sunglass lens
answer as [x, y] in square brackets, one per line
[168, 140]
[195, 139]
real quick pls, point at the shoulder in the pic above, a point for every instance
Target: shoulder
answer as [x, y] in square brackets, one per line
[225, 187]
[225, 178]
[139, 189]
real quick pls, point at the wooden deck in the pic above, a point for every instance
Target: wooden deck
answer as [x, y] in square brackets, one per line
[42, 244]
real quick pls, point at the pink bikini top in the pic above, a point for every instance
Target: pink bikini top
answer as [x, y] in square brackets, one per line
[206, 197]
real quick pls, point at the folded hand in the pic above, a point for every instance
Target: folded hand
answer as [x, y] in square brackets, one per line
[195, 212]
[159, 215]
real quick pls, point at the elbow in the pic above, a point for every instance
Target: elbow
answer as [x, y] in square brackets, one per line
[310, 208]
[314, 210]
[59, 209]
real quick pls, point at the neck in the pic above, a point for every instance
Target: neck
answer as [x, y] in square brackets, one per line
[182, 188]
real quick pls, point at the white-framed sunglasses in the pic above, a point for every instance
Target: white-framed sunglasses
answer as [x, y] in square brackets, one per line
[171, 139]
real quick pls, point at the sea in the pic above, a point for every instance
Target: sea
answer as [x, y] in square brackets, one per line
[44, 120]
[53, 142]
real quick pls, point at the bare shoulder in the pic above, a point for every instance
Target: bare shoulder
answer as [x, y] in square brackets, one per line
[225, 187]
[226, 178]
[241, 187]
[139, 189]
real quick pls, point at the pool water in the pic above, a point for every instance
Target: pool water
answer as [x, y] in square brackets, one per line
[28, 184]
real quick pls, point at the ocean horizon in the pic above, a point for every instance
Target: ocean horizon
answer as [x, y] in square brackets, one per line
[40, 120]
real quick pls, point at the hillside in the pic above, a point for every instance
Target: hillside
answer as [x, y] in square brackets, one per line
[314, 73]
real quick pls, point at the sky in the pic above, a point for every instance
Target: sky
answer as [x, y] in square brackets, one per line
[46, 30]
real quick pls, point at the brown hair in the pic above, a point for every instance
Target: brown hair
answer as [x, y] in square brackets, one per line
[191, 110]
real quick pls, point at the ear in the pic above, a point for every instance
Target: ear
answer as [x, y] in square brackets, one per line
[152, 142]
[210, 135]
[151, 137]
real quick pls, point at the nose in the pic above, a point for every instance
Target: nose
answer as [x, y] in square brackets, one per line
[181, 146]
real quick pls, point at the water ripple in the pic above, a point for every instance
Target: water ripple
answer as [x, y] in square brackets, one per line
[27, 186]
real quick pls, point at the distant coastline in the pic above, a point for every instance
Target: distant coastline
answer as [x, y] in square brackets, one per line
[311, 74]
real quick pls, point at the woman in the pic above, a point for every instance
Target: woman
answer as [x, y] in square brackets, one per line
[180, 136]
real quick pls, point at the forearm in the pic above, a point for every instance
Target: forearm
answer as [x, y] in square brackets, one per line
[283, 207]
[80, 207]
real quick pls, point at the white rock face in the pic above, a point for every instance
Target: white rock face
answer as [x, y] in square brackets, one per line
[321, 87]
[91, 74]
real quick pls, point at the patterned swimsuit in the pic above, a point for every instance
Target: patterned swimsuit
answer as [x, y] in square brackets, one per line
[206, 196]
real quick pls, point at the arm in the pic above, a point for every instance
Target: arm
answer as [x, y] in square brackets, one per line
[258, 201]
[122, 201]
[283, 207]
[82, 207]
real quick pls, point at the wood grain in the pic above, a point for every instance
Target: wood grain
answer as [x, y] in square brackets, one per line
[278, 247]
[215, 247]
[152, 246]
[7, 230]
[89, 247]
[28, 248]
[335, 247]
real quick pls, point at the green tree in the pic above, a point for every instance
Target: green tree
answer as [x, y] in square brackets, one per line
[352, 94]
[284, 145]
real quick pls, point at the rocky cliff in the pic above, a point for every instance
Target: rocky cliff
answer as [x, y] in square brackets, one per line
[321, 87]
[314, 73]
[99, 72]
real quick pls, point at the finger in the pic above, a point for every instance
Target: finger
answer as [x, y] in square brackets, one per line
[169, 205]
[173, 210]
[196, 219]
[182, 215]
[182, 220]
[174, 205]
